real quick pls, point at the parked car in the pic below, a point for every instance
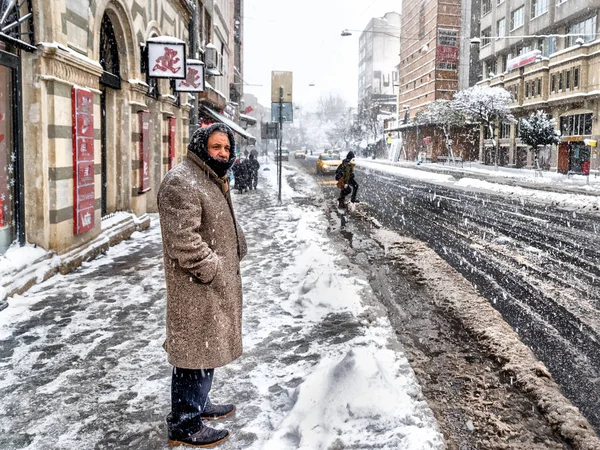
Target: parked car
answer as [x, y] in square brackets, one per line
[328, 162]
[285, 154]
[299, 154]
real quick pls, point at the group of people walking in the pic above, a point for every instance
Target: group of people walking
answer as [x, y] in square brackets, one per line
[245, 173]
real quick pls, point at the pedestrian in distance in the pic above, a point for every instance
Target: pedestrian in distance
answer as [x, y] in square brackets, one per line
[346, 181]
[241, 173]
[202, 248]
[253, 166]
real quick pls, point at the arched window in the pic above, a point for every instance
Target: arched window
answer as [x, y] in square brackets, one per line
[16, 23]
[109, 55]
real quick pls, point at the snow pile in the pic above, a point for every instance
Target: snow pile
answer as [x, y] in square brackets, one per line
[566, 200]
[404, 172]
[337, 404]
[17, 258]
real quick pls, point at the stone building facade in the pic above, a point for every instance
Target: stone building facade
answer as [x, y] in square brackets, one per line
[555, 69]
[72, 153]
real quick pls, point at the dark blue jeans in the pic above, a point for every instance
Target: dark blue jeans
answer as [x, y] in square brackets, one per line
[189, 397]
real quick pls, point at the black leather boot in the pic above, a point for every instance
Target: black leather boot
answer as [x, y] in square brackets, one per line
[206, 437]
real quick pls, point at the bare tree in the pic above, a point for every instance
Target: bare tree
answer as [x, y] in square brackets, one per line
[330, 108]
[368, 117]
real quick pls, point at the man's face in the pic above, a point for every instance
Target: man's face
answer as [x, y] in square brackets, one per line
[218, 146]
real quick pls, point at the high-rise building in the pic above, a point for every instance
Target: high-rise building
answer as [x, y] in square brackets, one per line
[546, 53]
[379, 46]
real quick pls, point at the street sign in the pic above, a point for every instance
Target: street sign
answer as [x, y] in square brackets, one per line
[166, 57]
[269, 130]
[523, 60]
[281, 79]
[194, 77]
[288, 112]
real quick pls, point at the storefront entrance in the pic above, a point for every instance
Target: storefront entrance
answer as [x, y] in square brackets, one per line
[110, 83]
[579, 158]
[11, 175]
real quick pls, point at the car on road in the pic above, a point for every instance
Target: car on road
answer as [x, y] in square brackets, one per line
[299, 154]
[328, 162]
[285, 154]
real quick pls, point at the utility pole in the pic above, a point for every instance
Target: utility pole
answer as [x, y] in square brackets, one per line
[279, 166]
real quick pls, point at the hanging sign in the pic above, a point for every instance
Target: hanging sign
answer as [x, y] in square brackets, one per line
[172, 121]
[82, 102]
[144, 124]
[194, 77]
[446, 57]
[284, 80]
[523, 60]
[166, 57]
[287, 112]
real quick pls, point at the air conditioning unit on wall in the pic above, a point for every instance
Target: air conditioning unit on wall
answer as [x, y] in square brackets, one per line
[213, 61]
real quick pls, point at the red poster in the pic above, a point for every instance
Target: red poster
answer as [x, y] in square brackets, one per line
[85, 149]
[446, 53]
[83, 160]
[171, 142]
[85, 173]
[144, 151]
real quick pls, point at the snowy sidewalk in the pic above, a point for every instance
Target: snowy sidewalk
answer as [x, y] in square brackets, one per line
[81, 363]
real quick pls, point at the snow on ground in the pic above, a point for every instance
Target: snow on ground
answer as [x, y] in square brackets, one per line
[567, 199]
[81, 362]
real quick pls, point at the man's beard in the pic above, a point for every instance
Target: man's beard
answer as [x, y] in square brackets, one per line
[219, 165]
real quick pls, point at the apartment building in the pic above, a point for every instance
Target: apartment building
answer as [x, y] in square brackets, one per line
[435, 62]
[546, 53]
[379, 45]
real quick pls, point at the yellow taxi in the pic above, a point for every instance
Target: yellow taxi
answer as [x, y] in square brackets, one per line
[328, 162]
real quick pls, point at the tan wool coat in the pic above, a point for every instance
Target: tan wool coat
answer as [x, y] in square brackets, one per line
[202, 247]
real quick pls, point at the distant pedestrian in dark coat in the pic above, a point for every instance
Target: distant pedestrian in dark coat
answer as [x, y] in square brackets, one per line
[253, 166]
[202, 246]
[241, 173]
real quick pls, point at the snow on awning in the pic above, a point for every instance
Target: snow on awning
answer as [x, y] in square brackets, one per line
[248, 119]
[230, 123]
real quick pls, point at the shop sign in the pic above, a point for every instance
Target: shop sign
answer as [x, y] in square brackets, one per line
[590, 142]
[194, 77]
[166, 57]
[574, 138]
[172, 121]
[523, 60]
[144, 123]
[446, 56]
[82, 102]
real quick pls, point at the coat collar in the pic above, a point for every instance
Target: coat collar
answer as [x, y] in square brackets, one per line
[223, 182]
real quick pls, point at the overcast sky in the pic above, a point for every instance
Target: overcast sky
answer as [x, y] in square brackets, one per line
[303, 36]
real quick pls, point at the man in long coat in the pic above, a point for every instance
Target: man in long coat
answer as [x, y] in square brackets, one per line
[202, 245]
